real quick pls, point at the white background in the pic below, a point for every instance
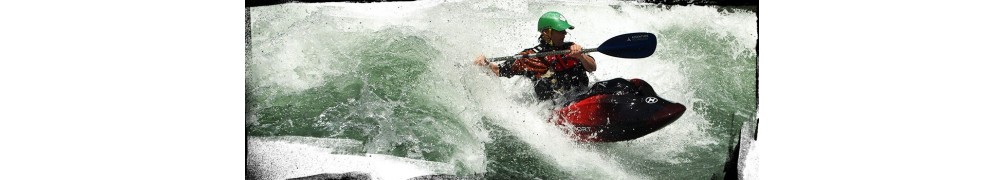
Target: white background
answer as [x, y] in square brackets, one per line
[155, 90]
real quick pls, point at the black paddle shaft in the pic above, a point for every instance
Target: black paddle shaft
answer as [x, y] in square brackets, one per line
[631, 45]
[518, 56]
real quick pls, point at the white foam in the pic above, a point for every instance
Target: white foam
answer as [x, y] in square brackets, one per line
[750, 168]
[282, 158]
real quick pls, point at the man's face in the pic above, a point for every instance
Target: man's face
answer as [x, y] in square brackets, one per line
[558, 36]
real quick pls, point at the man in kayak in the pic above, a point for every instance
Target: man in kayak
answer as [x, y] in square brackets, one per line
[554, 76]
[610, 111]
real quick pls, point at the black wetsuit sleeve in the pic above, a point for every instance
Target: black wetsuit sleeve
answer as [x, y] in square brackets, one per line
[506, 67]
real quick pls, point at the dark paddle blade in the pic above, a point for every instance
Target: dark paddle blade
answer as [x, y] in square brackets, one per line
[631, 45]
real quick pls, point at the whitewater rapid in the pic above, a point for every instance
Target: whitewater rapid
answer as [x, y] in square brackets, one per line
[300, 47]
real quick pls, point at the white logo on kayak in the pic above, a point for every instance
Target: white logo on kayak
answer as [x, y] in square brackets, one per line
[651, 100]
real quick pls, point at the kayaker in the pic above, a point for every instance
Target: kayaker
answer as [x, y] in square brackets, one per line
[554, 76]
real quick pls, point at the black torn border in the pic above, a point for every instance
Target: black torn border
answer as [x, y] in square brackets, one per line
[743, 4]
[255, 3]
[705, 2]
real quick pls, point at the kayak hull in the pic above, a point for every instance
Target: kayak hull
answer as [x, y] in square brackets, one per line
[628, 112]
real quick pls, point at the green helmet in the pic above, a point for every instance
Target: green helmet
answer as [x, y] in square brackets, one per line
[553, 20]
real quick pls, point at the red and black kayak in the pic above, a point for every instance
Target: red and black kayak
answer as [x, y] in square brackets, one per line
[617, 110]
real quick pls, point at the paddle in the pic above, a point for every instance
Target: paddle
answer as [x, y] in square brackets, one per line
[631, 45]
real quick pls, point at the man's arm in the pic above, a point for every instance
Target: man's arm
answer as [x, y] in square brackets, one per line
[522, 66]
[587, 60]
